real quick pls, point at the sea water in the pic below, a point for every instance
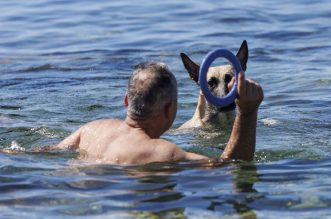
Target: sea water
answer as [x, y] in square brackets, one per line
[64, 63]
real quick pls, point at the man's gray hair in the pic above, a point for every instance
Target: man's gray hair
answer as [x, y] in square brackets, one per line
[150, 88]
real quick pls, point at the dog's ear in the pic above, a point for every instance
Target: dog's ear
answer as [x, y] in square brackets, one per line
[191, 67]
[242, 55]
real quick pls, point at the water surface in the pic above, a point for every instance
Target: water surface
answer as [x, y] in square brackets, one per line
[64, 63]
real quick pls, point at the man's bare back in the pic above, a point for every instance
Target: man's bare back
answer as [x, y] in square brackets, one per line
[115, 141]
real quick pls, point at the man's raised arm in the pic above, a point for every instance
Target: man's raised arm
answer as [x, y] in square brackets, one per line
[241, 144]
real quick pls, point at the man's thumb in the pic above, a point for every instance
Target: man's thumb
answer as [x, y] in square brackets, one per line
[241, 82]
[231, 83]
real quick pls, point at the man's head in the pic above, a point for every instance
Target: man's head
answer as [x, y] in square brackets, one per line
[152, 88]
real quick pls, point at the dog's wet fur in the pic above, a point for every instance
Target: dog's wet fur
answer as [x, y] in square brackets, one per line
[218, 79]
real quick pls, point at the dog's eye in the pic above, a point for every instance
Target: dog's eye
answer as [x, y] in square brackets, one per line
[227, 78]
[212, 82]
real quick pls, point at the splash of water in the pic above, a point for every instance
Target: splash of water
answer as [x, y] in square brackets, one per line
[16, 147]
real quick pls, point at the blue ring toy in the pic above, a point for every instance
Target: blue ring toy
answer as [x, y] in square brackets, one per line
[210, 57]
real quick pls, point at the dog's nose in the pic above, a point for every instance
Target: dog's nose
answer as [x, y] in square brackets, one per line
[228, 78]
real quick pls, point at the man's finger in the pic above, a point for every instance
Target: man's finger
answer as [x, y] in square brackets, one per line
[261, 94]
[241, 82]
[230, 84]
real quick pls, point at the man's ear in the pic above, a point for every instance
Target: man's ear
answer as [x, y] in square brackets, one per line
[126, 102]
[242, 55]
[167, 110]
[191, 67]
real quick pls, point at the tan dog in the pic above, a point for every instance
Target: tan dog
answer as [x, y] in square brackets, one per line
[218, 78]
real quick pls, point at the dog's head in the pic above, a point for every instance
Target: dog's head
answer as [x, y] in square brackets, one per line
[218, 78]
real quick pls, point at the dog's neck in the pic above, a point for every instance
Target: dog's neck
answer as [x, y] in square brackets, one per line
[203, 115]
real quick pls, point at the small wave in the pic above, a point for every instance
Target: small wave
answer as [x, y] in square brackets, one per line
[48, 67]
[324, 81]
[44, 132]
[284, 34]
[39, 68]
[6, 120]
[14, 148]
[95, 107]
[10, 107]
[7, 83]
[98, 51]
[270, 122]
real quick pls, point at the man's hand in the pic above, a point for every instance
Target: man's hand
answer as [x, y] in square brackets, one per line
[250, 94]
[241, 144]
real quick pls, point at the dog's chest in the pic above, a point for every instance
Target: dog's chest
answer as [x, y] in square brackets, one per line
[226, 117]
[223, 119]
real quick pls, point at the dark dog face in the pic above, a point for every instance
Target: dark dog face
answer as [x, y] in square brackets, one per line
[218, 78]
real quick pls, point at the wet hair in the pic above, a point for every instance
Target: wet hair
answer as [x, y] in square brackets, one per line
[151, 87]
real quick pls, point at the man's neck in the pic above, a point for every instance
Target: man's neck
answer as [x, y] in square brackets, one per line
[150, 126]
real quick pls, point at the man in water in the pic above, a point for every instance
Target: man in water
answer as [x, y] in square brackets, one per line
[151, 102]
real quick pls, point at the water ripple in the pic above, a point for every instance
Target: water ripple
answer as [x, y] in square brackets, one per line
[64, 63]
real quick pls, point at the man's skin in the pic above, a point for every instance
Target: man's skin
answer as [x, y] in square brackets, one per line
[138, 142]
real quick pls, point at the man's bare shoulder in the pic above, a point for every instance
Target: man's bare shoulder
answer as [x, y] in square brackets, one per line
[165, 144]
[103, 122]
[171, 152]
[165, 150]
